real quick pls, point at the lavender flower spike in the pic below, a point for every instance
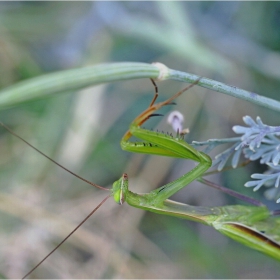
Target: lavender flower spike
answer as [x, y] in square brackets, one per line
[255, 133]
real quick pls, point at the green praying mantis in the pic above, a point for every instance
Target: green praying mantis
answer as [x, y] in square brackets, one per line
[254, 226]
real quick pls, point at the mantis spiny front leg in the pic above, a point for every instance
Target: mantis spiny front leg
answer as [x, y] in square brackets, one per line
[165, 145]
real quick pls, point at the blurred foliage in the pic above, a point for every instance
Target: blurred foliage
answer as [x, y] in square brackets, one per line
[233, 42]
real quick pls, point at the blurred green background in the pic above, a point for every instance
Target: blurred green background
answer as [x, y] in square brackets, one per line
[236, 43]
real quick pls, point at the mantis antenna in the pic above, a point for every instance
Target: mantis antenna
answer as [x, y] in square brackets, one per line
[84, 220]
[81, 178]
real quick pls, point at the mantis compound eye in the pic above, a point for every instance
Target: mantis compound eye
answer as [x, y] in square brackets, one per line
[120, 189]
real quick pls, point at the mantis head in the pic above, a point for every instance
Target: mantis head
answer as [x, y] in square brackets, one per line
[120, 188]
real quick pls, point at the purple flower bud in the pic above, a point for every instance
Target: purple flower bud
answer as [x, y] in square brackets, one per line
[176, 119]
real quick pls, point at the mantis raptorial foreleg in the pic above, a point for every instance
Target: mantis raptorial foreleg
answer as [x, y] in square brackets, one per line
[165, 145]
